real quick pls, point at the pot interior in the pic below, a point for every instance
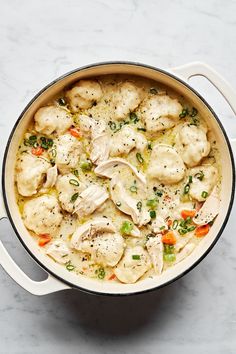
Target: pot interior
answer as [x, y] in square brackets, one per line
[171, 273]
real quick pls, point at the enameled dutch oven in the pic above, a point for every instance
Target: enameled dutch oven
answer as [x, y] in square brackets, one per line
[58, 277]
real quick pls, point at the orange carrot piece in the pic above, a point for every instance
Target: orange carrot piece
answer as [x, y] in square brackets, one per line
[44, 239]
[37, 151]
[169, 238]
[202, 230]
[113, 276]
[75, 132]
[188, 213]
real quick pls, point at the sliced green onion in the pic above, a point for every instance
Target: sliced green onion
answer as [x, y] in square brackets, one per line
[149, 146]
[126, 228]
[33, 138]
[74, 197]
[139, 205]
[169, 249]
[175, 224]
[199, 175]
[133, 189]
[74, 182]
[184, 113]
[86, 165]
[190, 179]
[169, 257]
[153, 90]
[70, 266]
[61, 101]
[142, 129]
[101, 273]
[162, 227]
[75, 172]
[133, 117]
[191, 228]
[182, 231]
[112, 125]
[204, 194]
[152, 214]
[186, 188]
[139, 157]
[152, 203]
[136, 257]
[54, 152]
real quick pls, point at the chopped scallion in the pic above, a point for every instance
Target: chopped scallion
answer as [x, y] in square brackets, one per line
[136, 257]
[139, 205]
[175, 224]
[204, 194]
[126, 228]
[152, 214]
[152, 203]
[74, 182]
[74, 197]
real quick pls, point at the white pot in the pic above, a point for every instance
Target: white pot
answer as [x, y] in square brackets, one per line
[58, 277]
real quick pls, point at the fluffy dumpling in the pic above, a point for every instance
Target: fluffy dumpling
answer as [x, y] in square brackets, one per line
[30, 173]
[42, 215]
[67, 186]
[68, 150]
[126, 100]
[126, 140]
[135, 263]
[166, 165]
[192, 145]
[160, 112]
[204, 178]
[84, 94]
[105, 249]
[52, 119]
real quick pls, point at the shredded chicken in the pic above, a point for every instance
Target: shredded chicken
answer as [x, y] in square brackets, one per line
[155, 249]
[59, 251]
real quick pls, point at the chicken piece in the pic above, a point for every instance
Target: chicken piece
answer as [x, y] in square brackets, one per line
[191, 143]
[159, 225]
[67, 186]
[209, 210]
[126, 100]
[135, 263]
[91, 127]
[52, 119]
[128, 205]
[166, 165]
[160, 113]
[89, 200]
[204, 178]
[126, 140]
[99, 238]
[155, 249]
[68, 151]
[51, 177]
[59, 251]
[84, 94]
[111, 167]
[89, 229]
[185, 252]
[30, 173]
[100, 148]
[42, 215]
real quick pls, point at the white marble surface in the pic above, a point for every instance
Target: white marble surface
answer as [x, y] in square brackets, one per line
[40, 40]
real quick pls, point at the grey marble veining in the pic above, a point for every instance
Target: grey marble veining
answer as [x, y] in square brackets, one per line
[41, 40]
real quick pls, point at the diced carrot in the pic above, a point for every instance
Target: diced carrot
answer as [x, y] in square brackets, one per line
[188, 213]
[202, 230]
[75, 132]
[112, 277]
[169, 238]
[37, 151]
[44, 239]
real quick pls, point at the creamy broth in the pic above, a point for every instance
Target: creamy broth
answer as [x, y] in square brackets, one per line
[128, 151]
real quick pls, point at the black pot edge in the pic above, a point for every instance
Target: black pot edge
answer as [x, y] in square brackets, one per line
[219, 232]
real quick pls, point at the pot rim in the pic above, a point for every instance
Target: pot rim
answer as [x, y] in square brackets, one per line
[173, 76]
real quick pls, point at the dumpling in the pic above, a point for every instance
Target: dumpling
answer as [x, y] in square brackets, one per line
[160, 112]
[68, 151]
[67, 186]
[204, 178]
[42, 215]
[30, 173]
[83, 94]
[59, 251]
[126, 100]
[191, 143]
[126, 140]
[52, 119]
[99, 238]
[166, 165]
[135, 263]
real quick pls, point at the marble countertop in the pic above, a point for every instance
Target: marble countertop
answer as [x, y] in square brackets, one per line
[42, 40]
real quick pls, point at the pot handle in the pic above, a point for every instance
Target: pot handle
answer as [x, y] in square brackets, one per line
[44, 287]
[201, 69]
